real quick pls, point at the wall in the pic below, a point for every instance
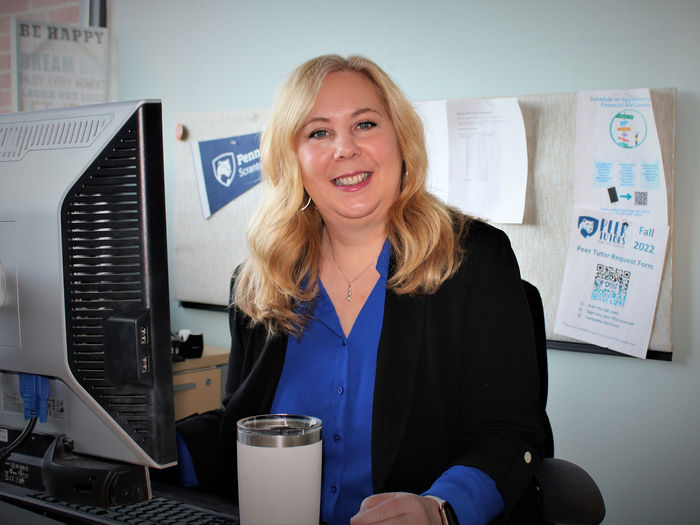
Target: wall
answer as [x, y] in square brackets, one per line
[57, 11]
[634, 425]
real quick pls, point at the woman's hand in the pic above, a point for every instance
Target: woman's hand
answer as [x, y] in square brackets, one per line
[398, 507]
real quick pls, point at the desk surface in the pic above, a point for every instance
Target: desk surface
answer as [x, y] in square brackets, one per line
[211, 356]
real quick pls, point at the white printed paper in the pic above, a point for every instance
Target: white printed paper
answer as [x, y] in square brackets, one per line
[478, 156]
[611, 281]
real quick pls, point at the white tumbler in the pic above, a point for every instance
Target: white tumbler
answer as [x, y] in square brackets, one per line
[279, 469]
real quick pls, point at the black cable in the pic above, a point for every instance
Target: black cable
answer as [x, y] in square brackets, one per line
[6, 451]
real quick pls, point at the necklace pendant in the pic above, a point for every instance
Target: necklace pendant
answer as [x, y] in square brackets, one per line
[349, 288]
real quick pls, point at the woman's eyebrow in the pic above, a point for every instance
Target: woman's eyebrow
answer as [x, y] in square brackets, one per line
[354, 114]
[315, 119]
[361, 111]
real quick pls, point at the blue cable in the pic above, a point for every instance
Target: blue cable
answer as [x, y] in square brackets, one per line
[34, 391]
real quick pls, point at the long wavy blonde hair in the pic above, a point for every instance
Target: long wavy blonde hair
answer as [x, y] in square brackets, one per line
[282, 271]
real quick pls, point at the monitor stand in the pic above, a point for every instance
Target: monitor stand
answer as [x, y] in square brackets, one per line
[47, 463]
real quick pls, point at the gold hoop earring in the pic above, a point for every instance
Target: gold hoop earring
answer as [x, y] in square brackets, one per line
[307, 204]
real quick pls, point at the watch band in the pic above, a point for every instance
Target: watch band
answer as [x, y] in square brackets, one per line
[447, 513]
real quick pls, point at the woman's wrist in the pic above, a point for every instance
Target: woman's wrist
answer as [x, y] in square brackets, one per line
[434, 505]
[445, 513]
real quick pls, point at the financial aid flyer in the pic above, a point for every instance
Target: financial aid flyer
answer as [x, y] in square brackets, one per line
[618, 165]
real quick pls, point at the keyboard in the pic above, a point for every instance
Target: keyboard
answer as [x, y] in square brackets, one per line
[159, 510]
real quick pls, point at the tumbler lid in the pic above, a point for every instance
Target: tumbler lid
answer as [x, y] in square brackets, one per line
[278, 430]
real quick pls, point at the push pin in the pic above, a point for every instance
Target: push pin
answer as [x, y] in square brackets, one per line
[180, 132]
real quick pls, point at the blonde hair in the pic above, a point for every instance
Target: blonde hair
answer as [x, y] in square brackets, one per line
[282, 271]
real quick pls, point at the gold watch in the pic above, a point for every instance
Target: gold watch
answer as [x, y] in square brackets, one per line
[447, 513]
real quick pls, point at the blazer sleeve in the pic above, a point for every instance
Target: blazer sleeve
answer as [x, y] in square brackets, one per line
[254, 367]
[201, 432]
[501, 415]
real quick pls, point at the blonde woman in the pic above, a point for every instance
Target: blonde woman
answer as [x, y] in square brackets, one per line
[368, 303]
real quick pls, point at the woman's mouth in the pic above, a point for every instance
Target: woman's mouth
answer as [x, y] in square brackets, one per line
[351, 180]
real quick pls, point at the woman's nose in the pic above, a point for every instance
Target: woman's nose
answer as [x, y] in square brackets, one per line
[345, 146]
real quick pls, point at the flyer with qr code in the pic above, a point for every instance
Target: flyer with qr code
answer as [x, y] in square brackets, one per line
[611, 280]
[618, 164]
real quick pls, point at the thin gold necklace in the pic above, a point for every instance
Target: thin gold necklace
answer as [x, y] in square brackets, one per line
[349, 281]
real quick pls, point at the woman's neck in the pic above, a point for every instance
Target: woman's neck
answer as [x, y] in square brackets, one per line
[354, 246]
[348, 270]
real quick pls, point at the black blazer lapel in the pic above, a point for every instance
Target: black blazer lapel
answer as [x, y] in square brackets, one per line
[397, 357]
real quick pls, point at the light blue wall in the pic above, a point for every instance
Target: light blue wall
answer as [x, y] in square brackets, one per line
[634, 425]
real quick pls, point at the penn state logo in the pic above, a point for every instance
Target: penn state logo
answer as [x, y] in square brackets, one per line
[224, 167]
[587, 226]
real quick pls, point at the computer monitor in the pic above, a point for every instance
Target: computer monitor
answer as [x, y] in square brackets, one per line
[84, 299]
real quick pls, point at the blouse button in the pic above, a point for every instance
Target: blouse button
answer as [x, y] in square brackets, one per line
[340, 389]
[527, 457]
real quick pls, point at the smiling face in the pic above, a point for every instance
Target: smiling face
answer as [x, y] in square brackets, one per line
[349, 153]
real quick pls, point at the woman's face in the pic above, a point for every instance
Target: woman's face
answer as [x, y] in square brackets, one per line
[349, 153]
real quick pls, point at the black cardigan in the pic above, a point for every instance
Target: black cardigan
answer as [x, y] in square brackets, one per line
[456, 383]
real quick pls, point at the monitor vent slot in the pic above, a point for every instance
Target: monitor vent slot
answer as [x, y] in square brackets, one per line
[16, 139]
[103, 274]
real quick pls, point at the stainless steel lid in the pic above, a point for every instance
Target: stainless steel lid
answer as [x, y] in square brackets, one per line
[278, 430]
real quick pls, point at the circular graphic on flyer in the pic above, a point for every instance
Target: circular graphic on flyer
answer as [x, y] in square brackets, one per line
[628, 129]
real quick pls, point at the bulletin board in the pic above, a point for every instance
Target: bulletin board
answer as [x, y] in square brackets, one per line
[207, 250]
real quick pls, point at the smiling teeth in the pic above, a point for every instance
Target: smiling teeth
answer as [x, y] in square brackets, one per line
[354, 179]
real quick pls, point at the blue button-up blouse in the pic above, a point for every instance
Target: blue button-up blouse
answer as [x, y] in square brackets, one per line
[331, 376]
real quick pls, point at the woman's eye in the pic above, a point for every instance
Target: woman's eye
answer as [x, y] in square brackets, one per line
[318, 134]
[367, 124]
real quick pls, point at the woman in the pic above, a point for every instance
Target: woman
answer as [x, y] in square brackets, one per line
[367, 302]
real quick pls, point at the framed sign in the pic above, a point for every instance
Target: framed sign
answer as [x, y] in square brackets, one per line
[58, 65]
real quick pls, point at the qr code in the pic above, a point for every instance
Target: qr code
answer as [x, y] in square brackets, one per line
[610, 285]
[640, 198]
